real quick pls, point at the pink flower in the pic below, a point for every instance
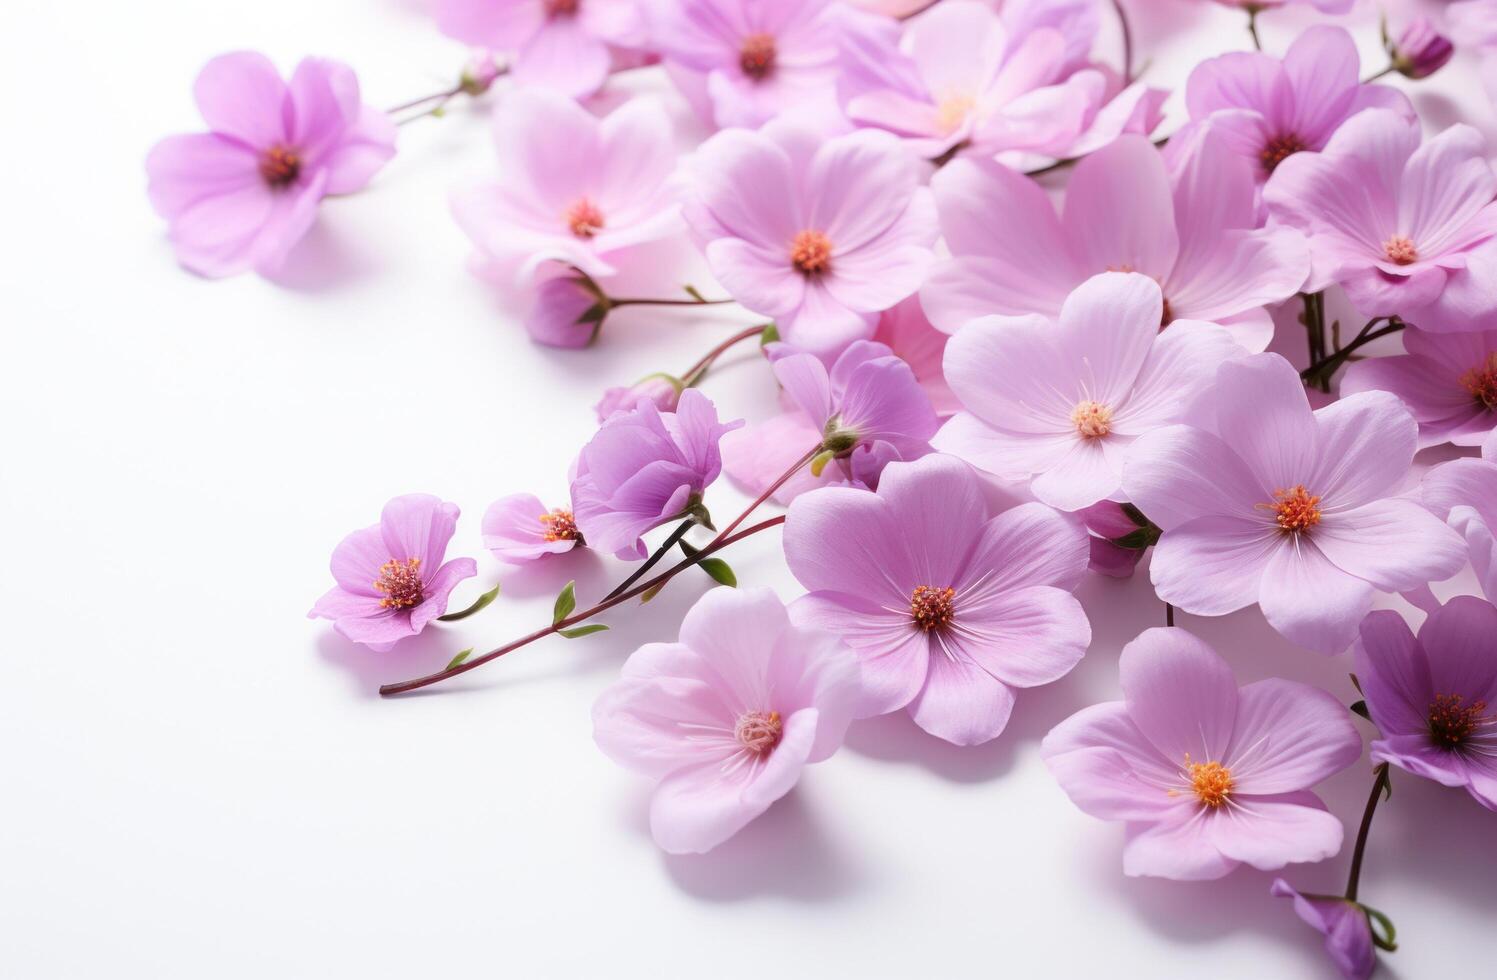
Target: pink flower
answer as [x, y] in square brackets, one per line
[1464, 493]
[1269, 109]
[1434, 698]
[519, 528]
[904, 329]
[645, 468]
[751, 60]
[1119, 536]
[663, 390]
[820, 235]
[1295, 510]
[1207, 775]
[572, 188]
[1420, 50]
[391, 578]
[1196, 235]
[726, 719]
[567, 311]
[1344, 923]
[1058, 402]
[242, 195]
[1448, 381]
[559, 44]
[948, 608]
[1405, 228]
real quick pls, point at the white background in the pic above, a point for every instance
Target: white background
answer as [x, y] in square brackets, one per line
[199, 782]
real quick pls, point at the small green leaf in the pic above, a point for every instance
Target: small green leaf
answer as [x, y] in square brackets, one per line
[1360, 707]
[461, 656]
[771, 335]
[719, 571]
[565, 603]
[478, 604]
[577, 631]
[692, 292]
[651, 593]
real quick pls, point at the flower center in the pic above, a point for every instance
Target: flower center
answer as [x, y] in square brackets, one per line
[757, 55]
[811, 253]
[400, 582]
[1093, 420]
[1211, 781]
[584, 219]
[932, 608]
[559, 525]
[1481, 381]
[1295, 510]
[280, 165]
[1400, 250]
[953, 110]
[1278, 149]
[759, 731]
[1452, 722]
[562, 8]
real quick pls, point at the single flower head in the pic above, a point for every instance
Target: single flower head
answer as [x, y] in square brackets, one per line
[1464, 493]
[725, 719]
[949, 608]
[562, 45]
[566, 311]
[1206, 775]
[243, 194]
[1298, 511]
[644, 468]
[519, 528]
[1344, 923]
[1420, 50]
[1058, 402]
[1448, 381]
[1434, 697]
[664, 390]
[391, 578]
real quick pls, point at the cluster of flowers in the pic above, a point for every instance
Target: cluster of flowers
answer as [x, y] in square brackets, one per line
[871, 187]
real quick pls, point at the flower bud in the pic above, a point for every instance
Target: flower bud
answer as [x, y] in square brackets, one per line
[1420, 50]
[1120, 534]
[480, 72]
[568, 312]
[662, 389]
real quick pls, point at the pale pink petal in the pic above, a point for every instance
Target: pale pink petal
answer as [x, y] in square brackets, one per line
[242, 95]
[961, 702]
[1394, 544]
[1180, 694]
[893, 652]
[1310, 601]
[1178, 473]
[1269, 832]
[1288, 737]
[1213, 565]
[1030, 544]
[1119, 212]
[1183, 850]
[1026, 637]
[1263, 414]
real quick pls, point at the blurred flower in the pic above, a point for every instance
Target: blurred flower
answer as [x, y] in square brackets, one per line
[481, 72]
[1420, 50]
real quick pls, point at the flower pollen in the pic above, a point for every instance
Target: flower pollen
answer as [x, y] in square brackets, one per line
[280, 166]
[1401, 250]
[400, 583]
[1279, 149]
[1211, 781]
[1481, 381]
[757, 56]
[559, 525]
[1092, 419]
[932, 608]
[811, 253]
[584, 219]
[1452, 722]
[759, 731]
[1295, 510]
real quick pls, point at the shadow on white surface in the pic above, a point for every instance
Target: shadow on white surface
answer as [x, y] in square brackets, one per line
[329, 258]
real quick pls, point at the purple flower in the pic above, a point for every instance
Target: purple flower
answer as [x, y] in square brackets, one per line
[559, 44]
[574, 188]
[1206, 775]
[391, 579]
[645, 468]
[1195, 234]
[567, 312]
[1119, 536]
[1060, 401]
[726, 719]
[1434, 697]
[1447, 380]
[520, 528]
[1420, 50]
[663, 390]
[1344, 923]
[1405, 228]
[240, 196]
[821, 235]
[1270, 109]
[1292, 509]
[1464, 493]
[948, 608]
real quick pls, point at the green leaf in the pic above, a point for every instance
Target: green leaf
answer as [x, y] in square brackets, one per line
[565, 603]
[461, 656]
[719, 571]
[577, 631]
[651, 593]
[478, 604]
[692, 292]
[771, 335]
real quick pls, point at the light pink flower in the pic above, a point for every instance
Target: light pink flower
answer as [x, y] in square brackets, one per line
[1058, 402]
[1206, 775]
[391, 579]
[1448, 381]
[663, 390]
[821, 235]
[572, 188]
[1194, 233]
[559, 44]
[948, 607]
[1463, 492]
[242, 195]
[1405, 228]
[566, 311]
[519, 528]
[726, 719]
[1420, 49]
[905, 330]
[1295, 510]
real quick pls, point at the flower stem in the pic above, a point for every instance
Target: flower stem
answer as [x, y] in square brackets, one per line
[653, 560]
[1169, 614]
[1323, 369]
[1382, 74]
[696, 371]
[1379, 786]
[1252, 12]
[667, 302]
[1117, 5]
[784, 478]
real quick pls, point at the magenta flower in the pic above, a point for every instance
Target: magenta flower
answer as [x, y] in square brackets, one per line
[1207, 775]
[1448, 381]
[573, 188]
[1464, 493]
[1195, 235]
[1434, 697]
[1405, 228]
[1292, 509]
[1344, 923]
[948, 608]
[1059, 402]
[391, 578]
[566, 311]
[1420, 50]
[645, 468]
[519, 528]
[820, 235]
[558, 44]
[1119, 536]
[726, 719]
[663, 390]
[1270, 109]
[742, 64]
[242, 195]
